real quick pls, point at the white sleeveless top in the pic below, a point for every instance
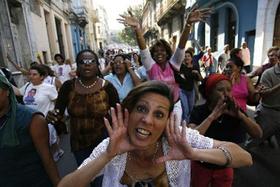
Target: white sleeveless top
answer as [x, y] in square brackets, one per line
[178, 172]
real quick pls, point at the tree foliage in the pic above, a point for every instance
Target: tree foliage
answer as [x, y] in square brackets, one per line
[127, 34]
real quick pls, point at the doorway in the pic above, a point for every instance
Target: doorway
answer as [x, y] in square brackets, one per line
[276, 36]
[59, 36]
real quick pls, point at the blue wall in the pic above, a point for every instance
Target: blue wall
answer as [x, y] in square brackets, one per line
[78, 32]
[247, 16]
[247, 13]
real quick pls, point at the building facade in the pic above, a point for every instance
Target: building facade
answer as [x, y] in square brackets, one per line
[16, 34]
[257, 22]
[51, 28]
[102, 28]
[267, 29]
[78, 21]
[32, 29]
[163, 19]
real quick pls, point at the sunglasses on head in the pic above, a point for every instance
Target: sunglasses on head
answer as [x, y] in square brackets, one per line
[88, 61]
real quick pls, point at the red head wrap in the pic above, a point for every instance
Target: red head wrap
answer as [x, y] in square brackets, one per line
[212, 80]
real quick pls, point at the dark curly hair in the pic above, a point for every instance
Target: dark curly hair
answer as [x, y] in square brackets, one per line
[40, 69]
[162, 43]
[190, 52]
[59, 55]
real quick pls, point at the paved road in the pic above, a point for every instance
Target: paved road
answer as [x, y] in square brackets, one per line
[265, 171]
[67, 163]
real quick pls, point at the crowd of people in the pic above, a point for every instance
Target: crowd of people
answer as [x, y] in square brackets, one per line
[133, 118]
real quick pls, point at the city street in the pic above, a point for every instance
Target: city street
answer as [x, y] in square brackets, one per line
[265, 170]
[82, 57]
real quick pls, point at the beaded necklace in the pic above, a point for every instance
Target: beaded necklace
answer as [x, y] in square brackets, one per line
[85, 86]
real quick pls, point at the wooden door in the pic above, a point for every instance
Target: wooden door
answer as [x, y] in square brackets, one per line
[276, 36]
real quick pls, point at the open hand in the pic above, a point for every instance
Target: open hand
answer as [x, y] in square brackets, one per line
[129, 20]
[262, 90]
[119, 141]
[194, 14]
[128, 64]
[177, 140]
[53, 116]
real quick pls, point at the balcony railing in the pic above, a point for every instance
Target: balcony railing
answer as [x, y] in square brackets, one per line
[164, 8]
[81, 14]
[169, 9]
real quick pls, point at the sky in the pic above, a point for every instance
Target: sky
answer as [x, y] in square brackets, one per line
[115, 8]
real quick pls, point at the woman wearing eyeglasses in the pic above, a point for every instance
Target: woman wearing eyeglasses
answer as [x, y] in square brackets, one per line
[87, 99]
[123, 76]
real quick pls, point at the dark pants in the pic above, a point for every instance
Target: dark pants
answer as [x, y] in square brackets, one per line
[80, 156]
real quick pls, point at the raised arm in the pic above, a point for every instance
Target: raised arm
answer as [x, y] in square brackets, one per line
[252, 127]
[118, 144]
[192, 15]
[84, 175]
[39, 59]
[265, 92]
[267, 88]
[249, 124]
[216, 113]
[220, 153]
[21, 69]
[255, 73]
[136, 80]
[134, 23]
[253, 93]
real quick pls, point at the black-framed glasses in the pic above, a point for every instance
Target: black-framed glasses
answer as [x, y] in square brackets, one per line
[88, 61]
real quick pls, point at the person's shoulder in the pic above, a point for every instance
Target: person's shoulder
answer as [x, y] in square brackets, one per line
[46, 85]
[26, 111]
[69, 84]
[107, 84]
[54, 66]
[268, 71]
[109, 76]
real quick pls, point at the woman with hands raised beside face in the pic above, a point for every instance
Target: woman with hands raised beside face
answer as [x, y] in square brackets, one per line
[159, 61]
[123, 76]
[147, 148]
[222, 119]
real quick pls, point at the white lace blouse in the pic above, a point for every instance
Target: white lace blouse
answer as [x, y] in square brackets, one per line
[178, 172]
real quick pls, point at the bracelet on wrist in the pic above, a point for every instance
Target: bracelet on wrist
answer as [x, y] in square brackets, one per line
[227, 155]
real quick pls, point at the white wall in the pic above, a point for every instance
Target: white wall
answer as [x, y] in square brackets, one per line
[40, 34]
[264, 29]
